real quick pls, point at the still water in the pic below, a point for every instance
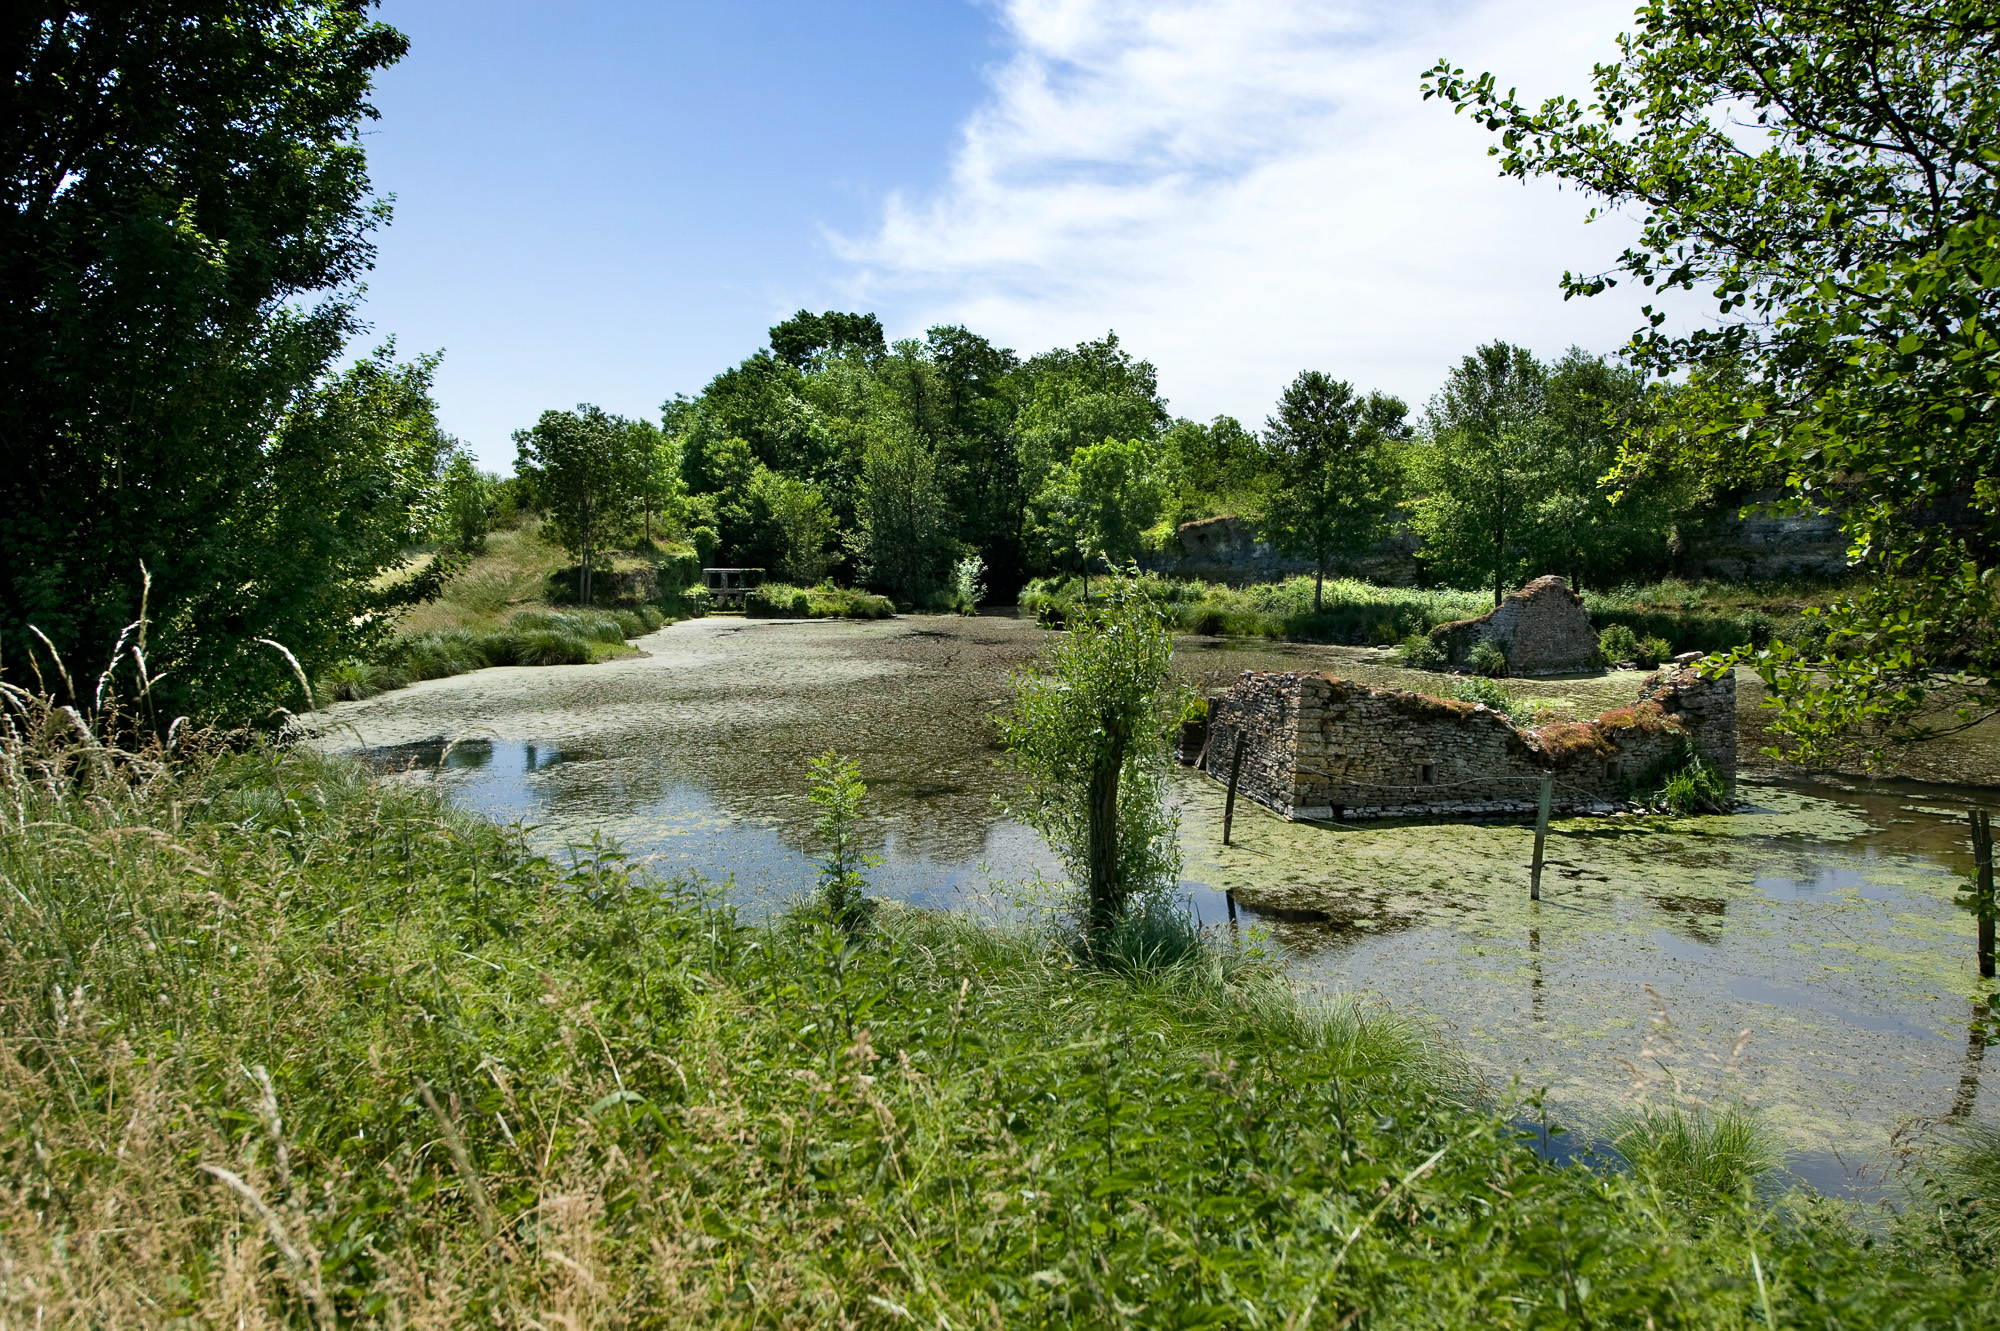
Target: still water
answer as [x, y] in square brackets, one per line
[1806, 954]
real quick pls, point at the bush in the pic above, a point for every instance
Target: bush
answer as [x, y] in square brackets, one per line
[1484, 691]
[536, 647]
[1420, 653]
[1488, 658]
[1701, 1158]
[1695, 788]
[1617, 643]
[1194, 710]
[777, 600]
[1652, 651]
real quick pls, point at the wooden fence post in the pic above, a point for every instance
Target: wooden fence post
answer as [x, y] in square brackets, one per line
[1229, 805]
[1541, 834]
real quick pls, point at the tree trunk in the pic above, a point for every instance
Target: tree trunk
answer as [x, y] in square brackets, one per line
[1499, 560]
[1319, 576]
[583, 573]
[1107, 896]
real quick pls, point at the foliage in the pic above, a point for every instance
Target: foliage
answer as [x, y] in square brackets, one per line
[1209, 470]
[587, 467]
[804, 336]
[467, 1084]
[1098, 504]
[777, 600]
[1651, 651]
[1194, 710]
[837, 793]
[187, 218]
[1699, 1157]
[1336, 478]
[1825, 173]
[1687, 783]
[1483, 690]
[801, 524]
[1616, 643]
[1088, 735]
[904, 542]
[1487, 658]
[968, 584]
[1418, 652]
[467, 500]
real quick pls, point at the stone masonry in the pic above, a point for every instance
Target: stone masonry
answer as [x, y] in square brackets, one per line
[1543, 629]
[1320, 747]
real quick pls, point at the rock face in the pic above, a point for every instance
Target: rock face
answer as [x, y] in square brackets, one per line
[1317, 746]
[1230, 550]
[1543, 629]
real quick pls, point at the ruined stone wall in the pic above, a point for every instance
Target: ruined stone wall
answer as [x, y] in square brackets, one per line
[1316, 746]
[1543, 628]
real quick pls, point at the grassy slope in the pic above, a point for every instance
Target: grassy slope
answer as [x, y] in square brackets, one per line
[505, 1090]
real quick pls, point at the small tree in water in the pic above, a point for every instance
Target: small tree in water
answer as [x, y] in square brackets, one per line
[1089, 734]
[837, 791]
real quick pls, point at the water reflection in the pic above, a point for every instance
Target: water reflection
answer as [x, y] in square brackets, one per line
[1823, 918]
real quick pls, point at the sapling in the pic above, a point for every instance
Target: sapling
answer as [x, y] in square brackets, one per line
[837, 791]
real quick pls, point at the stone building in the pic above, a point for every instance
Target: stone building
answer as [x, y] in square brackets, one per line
[1317, 746]
[1543, 629]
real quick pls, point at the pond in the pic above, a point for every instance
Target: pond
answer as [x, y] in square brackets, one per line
[1807, 954]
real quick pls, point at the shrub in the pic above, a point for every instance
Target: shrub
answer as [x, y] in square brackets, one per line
[1695, 788]
[695, 602]
[1194, 710]
[1488, 658]
[1155, 934]
[1617, 643]
[1420, 653]
[1651, 652]
[1701, 1158]
[837, 793]
[777, 600]
[968, 584]
[1480, 690]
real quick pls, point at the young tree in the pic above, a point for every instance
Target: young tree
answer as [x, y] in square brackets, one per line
[1826, 172]
[187, 214]
[1335, 476]
[1088, 734]
[1101, 501]
[657, 459]
[1479, 471]
[800, 524]
[586, 473]
[468, 502]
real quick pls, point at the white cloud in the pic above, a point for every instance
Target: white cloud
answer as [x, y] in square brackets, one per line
[1247, 188]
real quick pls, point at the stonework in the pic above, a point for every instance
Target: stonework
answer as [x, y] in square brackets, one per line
[1543, 629]
[1320, 747]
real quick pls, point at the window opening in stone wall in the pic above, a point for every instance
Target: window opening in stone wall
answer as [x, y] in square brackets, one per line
[1430, 775]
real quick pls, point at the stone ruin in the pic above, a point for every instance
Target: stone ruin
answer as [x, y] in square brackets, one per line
[1320, 747]
[1543, 629]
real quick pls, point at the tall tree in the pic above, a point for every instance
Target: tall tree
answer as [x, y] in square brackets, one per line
[803, 337]
[1479, 469]
[1210, 469]
[186, 216]
[799, 523]
[1828, 173]
[587, 473]
[1100, 502]
[905, 542]
[1336, 478]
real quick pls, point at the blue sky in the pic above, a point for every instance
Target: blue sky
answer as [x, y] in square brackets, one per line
[611, 202]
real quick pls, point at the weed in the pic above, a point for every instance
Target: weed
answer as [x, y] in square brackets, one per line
[1699, 1156]
[1488, 658]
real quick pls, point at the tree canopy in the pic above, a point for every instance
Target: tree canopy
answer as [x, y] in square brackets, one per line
[187, 213]
[1336, 479]
[1827, 174]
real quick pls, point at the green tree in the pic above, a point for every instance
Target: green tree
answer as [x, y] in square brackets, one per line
[904, 542]
[800, 525]
[1826, 173]
[187, 215]
[1335, 475]
[587, 474]
[467, 502]
[1582, 526]
[1088, 734]
[657, 463]
[1075, 397]
[1479, 471]
[1100, 502]
[1212, 469]
[799, 340]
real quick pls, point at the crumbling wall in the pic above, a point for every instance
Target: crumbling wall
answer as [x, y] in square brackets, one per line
[1317, 746]
[1543, 628]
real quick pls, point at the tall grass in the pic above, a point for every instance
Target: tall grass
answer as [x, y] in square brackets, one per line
[531, 638]
[778, 600]
[1700, 1156]
[283, 1046]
